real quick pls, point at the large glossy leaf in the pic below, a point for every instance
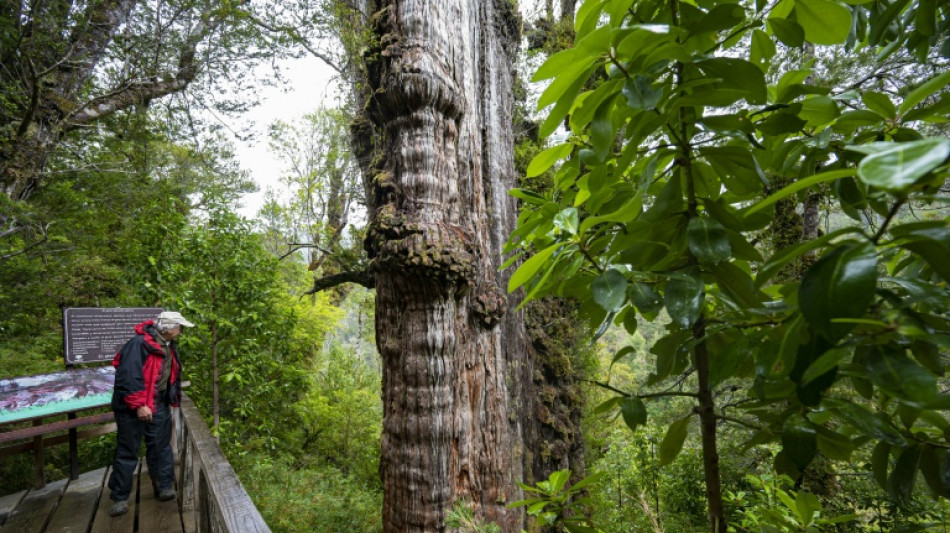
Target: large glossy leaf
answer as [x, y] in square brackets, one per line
[640, 92]
[708, 240]
[826, 362]
[736, 167]
[880, 463]
[737, 284]
[634, 412]
[737, 74]
[871, 424]
[834, 445]
[548, 157]
[840, 285]
[903, 164]
[799, 185]
[530, 267]
[673, 440]
[684, 298]
[898, 375]
[900, 484]
[926, 89]
[824, 21]
[728, 361]
[644, 298]
[929, 240]
[788, 31]
[935, 466]
[610, 290]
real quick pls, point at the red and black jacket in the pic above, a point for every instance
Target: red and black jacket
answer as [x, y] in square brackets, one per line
[138, 366]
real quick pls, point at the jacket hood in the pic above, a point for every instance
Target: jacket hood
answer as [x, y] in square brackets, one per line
[147, 330]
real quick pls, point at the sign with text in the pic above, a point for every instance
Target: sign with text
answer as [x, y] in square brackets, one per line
[94, 334]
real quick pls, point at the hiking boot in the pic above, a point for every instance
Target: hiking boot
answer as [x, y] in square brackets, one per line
[167, 494]
[119, 508]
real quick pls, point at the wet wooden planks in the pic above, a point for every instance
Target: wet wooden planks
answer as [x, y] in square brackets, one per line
[83, 505]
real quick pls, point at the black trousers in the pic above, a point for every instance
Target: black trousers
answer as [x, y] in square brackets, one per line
[158, 450]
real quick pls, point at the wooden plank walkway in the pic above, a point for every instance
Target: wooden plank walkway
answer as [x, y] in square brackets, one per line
[82, 506]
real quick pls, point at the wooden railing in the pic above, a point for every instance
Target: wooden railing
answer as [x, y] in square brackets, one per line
[209, 489]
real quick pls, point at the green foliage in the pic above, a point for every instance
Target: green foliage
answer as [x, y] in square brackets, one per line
[666, 179]
[772, 507]
[331, 502]
[554, 502]
[462, 516]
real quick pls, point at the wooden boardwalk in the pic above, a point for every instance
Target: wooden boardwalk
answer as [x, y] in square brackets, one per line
[82, 506]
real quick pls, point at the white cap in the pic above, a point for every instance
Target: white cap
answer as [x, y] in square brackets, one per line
[173, 317]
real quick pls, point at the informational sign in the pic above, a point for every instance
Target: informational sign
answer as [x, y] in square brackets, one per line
[49, 394]
[93, 334]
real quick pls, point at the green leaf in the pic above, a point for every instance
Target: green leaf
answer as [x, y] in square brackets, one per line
[807, 507]
[839, 285]
[929, 240]
[610, 290]
[879, 103]
[786, 255]
[903, 164]
[564, 104]
[640, 92]
[872, 424]
[763, 50]
[564, 81]
[529, 268]
[899, 376]
[935, 466]
[900, 484]
[727, 362]
[788, 31]
[818, 111]
[833, 445]
[799, 185]
[799, 440]
[567, 220]
[548, 157]
[673, 440]
[738, 74]
[926, 89]
[555, 64]
[824, 21]
[644, 298]
[880, 463]
[558, 479]
[826, 362]
[634, 412]
[736, 162]
[623, 214]
[737, 285]
[708, 240]
[684, 298]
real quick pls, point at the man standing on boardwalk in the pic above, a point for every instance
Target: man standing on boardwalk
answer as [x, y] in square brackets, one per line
[147, 384]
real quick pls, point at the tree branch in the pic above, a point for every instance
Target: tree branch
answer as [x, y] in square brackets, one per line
[361, 277]
[139, 91]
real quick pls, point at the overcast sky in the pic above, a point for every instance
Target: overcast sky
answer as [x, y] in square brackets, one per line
[309, 84]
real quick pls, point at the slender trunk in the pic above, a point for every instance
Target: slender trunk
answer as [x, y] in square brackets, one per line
[706, 403]
[442, 106]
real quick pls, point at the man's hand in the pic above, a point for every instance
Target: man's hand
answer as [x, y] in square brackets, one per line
[144, 413]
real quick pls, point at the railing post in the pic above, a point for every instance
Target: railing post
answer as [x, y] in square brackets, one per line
[39, 472]
[73, 450]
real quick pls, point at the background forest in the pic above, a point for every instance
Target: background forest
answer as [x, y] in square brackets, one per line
[765, 113]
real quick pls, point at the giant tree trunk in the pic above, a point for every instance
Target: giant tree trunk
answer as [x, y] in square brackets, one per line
[445, 329]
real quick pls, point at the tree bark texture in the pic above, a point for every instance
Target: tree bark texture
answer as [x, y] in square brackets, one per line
[446, 330]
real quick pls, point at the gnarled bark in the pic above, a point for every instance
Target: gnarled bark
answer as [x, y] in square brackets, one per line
[442, 109]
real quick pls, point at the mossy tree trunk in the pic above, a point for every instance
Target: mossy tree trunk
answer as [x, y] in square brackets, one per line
[447, 332]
